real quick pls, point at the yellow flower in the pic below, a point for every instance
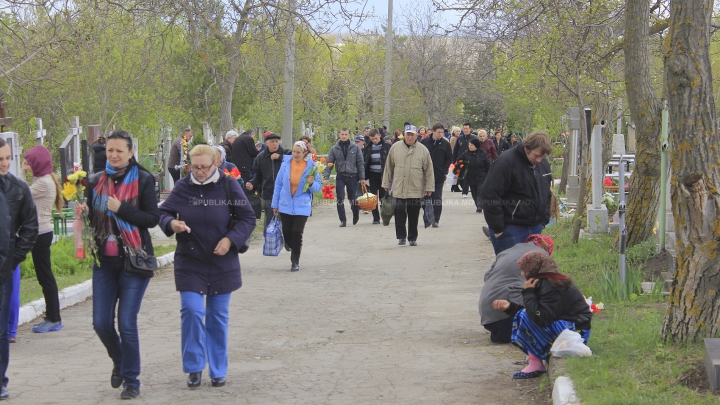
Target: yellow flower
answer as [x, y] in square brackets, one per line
[73, 178]
[81, 174]
[69, 191]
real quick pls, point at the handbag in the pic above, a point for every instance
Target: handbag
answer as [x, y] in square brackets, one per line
[233, 216]
[140, 265]
[429, 214]
[387, 208]
[274, 240]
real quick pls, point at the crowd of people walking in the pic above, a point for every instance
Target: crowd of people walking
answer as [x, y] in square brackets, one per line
[525, 299]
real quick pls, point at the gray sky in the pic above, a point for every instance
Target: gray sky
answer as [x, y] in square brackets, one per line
[380, 9]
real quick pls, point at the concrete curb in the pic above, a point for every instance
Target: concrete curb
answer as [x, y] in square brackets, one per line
[73, 295]
[564, 392]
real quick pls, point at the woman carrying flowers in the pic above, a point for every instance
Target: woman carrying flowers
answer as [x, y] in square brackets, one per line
[473, 165]
[122, 206]
[296, 182]
[551, 304]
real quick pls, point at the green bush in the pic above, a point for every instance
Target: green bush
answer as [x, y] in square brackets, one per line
[639, 254]
[63, 260]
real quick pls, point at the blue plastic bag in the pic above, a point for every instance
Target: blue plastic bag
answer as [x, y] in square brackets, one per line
[274, 240]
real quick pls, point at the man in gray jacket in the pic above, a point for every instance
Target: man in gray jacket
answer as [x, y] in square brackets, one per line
[504, 281]
[347, 159]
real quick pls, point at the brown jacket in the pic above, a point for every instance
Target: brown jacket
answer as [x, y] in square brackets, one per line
[409, 170]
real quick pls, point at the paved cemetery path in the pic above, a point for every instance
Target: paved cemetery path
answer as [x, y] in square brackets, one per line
[364, 322]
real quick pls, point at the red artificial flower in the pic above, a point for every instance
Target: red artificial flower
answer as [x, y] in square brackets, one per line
[608, 182]
[235, 173]
[83, 182]
[595, 309]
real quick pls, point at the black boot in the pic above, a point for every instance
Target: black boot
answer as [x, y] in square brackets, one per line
[296, 248]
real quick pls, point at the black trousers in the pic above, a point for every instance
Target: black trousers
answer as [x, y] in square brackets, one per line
[293, 227]
[374, 187]
[43, 270]
[267, 207]
[464, 185]
[500, 331]
[436, 197]
[174, 173]
[407, 209]
[350, 183]
[475, 192]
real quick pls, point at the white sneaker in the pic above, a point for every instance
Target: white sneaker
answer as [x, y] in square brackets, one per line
[464, 195]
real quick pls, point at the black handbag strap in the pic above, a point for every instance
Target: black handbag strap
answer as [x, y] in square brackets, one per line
[228, 197]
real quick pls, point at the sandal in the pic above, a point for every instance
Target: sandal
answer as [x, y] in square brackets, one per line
[524, 376]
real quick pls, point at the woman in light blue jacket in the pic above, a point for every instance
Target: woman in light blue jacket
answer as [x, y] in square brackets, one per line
[296, 182]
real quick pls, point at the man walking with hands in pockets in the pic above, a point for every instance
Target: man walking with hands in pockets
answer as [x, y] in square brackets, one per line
[347, 159]
[409, 171]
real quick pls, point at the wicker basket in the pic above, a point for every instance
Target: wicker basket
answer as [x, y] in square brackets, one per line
[367, 201]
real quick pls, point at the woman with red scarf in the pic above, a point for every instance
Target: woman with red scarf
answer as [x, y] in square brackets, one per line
[121, 205]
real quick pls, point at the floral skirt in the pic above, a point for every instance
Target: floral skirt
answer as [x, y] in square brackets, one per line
[533, 339]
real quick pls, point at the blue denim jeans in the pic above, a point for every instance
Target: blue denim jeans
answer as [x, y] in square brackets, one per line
[6, 291]
[14, 314]
[512, 235]
[204, 328]
[113, 287]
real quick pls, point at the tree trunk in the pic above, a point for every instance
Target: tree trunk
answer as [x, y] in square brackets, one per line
[644, 188]
[580, 213]
[226, 99]
[694, 310]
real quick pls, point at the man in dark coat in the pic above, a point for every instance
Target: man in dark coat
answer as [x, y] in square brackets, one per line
[99, 155]
[461, 145]
[22, 233]
[230, 138]
[516, 195]
[243, 153]
[441, 154]
[374, 156]
[266, 167]
[347, 160]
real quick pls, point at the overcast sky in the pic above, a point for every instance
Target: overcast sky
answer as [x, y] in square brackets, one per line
[380, 9]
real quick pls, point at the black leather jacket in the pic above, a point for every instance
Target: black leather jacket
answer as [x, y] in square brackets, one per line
[544, 305]
[266, 171]
[5, 224]
[23, 223]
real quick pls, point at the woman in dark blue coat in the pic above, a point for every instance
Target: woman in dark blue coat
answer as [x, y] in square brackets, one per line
[207, 267]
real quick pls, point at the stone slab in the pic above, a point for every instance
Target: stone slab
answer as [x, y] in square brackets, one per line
[564, 392]
[712, 362]
[597, 220]
[618, 145]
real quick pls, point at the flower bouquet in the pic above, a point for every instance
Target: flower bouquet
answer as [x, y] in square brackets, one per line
[235, 173]
[74, 190]
[327, 191]
[313, 171]
[460, 169]
[184, 165]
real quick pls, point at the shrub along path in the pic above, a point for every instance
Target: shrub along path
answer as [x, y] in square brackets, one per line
[364, 322]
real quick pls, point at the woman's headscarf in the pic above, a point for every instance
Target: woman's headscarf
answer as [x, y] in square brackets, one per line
[223, 154]
[543, 241]
[535, 264]
[39, 160]
[304, 147]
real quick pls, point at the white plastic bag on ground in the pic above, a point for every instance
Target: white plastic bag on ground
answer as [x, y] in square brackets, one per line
[570, 343]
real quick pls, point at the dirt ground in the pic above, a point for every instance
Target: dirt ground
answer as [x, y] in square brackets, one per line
[365, 321]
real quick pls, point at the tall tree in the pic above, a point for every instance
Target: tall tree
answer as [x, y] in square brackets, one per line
[644, 195]
[694, 310]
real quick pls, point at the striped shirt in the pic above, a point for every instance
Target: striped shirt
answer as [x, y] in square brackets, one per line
[375, 162]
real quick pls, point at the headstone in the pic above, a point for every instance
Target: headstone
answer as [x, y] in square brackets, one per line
[712, 362]
[597, 215]
[631, 144]
[573, 182]
[94, 132]
[208, 134]
[40, 134]
[618, 145]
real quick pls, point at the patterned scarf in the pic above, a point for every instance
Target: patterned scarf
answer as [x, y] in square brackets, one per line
[126, 191]
[543, 241]
[535, 264]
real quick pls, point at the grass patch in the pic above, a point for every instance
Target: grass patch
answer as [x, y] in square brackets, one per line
[630, 365]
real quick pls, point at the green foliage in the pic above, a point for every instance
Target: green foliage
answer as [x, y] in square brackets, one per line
[63, 261]
[613, 289]
[641, 253]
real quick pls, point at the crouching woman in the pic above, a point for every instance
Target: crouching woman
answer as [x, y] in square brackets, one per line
[552, 303]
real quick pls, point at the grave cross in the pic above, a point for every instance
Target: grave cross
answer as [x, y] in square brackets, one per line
[75, 130]
[40, 134]
[4, 121]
